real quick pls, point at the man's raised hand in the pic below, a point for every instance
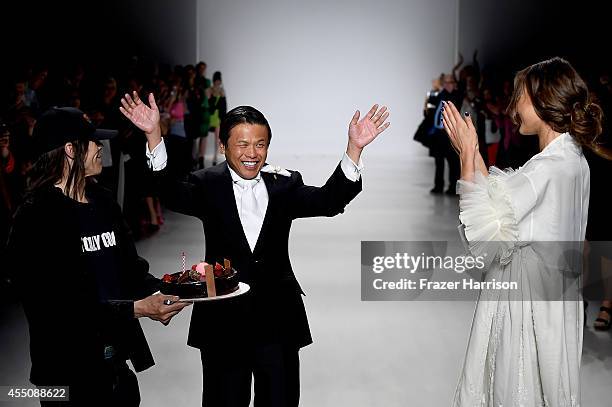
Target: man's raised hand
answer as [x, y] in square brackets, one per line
[363, 132]
[144, 117]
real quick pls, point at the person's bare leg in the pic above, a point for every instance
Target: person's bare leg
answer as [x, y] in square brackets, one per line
[194, 151]
[585, 275]
[202, 150]
[152, 212]
[216, 145]
[158, 210]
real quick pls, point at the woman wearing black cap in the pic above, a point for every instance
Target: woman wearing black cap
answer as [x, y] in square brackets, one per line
[80, 279]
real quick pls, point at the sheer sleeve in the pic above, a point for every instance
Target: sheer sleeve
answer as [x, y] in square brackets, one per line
[491, 208]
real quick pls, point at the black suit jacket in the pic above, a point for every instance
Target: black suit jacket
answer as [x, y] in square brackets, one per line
[273, 310]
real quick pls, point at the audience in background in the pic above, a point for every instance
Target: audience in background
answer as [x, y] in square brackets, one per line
[203, 86]
[186, 98]
[218, 107]
[599, 225]
[9, 187]
[439, 145]
[485, 97]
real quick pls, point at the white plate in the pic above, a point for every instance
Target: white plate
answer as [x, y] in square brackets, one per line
[242, 288]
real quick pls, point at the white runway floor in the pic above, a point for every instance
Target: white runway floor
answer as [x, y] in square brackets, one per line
[364, 353]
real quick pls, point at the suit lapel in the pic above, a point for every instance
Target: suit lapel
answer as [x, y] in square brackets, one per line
[272, 187]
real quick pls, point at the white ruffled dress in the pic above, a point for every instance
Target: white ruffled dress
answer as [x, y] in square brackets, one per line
[523, 350]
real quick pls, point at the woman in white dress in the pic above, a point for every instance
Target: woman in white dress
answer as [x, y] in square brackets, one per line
[525, 346]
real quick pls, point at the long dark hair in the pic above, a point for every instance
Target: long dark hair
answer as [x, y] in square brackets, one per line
[48, 170]
[562, 100]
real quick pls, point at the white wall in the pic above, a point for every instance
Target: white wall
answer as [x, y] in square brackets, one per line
[307, 65]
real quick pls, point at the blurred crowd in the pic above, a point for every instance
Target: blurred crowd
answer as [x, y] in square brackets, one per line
[485, 95]
[191, 107]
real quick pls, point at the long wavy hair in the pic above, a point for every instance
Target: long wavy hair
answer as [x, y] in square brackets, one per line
[562, 100]
[49, 169]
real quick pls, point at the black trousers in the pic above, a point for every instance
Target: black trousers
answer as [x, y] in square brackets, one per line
[114, 385]
[453, 171]
[227, 379]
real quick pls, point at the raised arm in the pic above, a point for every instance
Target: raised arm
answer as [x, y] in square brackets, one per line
[363, 132]
[144, 117]
[345, 183]
[329, 200]
[463, 137]
[456, 68]
[179, 195]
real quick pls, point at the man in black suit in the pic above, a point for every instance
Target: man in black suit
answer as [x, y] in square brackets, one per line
[247, 208]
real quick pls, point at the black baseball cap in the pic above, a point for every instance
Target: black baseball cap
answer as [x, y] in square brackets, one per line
[60, 125]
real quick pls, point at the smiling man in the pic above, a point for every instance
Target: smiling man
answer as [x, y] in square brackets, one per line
[240, 156]
[247, 208]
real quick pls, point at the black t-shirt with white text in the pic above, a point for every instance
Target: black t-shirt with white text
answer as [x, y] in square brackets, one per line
[99, 248]
[101, 257]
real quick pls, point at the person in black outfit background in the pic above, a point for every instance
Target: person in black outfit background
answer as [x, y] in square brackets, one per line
[260, 332]
[439, 146]
[8, 180]
[217, 106]
[74, 263]
[599, 224]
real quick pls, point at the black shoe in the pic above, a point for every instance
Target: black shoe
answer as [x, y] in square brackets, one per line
[201, 163]
[450, 191]
[214, 163]
[436, 190]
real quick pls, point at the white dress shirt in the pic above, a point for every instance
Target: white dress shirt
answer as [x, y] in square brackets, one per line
[251, 220]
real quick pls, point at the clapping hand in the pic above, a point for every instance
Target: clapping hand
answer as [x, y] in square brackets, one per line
[460, 130]
[363, 132]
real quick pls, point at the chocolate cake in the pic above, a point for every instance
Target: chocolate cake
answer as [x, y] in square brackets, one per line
[203, 280]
